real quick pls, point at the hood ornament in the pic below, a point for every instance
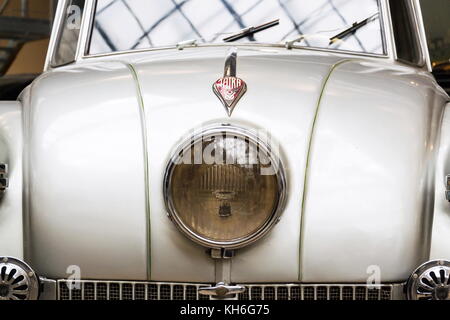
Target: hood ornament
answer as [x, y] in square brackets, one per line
[230, 89]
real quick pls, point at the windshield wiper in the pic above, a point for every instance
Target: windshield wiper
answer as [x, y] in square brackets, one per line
[251, 30]
[355, 26]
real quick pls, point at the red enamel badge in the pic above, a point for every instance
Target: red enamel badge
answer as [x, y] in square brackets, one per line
[229, 90]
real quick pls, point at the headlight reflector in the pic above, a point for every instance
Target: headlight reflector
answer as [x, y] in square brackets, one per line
[224, 188]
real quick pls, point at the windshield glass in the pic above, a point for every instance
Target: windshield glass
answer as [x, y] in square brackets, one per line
[350, 25]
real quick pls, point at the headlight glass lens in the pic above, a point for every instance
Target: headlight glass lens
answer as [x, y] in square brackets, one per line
[224, 188]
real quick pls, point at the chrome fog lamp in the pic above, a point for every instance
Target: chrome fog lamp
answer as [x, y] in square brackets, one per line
[431, 281]
[225, 187]
[17, 280]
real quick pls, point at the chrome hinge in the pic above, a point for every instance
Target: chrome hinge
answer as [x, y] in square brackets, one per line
[4, 181]
[447, 187]
[221, 253]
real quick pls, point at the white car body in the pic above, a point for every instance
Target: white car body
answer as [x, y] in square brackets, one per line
[364, 138]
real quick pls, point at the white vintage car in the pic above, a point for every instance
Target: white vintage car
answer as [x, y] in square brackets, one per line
[220, 149]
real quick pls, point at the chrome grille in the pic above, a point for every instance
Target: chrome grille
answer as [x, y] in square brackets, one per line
[317, 292]
[123, 290]
[282, 293]
[308, 293]
[102, 291]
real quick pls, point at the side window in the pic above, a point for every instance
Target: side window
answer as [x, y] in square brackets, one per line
[69, 32]
[406, 37]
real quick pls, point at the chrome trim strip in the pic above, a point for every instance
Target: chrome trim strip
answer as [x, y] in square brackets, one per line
[257, 45]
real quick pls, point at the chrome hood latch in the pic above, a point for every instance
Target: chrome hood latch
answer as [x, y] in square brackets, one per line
[221, 290]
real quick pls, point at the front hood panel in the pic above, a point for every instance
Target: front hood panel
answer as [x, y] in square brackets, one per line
[369, 189]
[282, 96]
[362, 145]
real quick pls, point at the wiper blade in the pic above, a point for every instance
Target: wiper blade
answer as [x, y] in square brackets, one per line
[355, 26]
[251, 30]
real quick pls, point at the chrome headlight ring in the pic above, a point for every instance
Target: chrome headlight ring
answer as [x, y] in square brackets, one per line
[281, 185]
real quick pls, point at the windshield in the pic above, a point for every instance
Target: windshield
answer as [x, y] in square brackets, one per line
[350, 25]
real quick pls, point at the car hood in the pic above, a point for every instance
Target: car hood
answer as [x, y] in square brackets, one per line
[346, 139]
[355, 138]
[283, 90]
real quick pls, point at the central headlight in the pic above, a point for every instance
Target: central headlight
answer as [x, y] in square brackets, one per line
[225, 188]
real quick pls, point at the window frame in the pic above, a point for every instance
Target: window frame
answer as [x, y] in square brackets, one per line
[386, 27]
[415, 14]
[56, 33]
[58, 29]
[382, 55]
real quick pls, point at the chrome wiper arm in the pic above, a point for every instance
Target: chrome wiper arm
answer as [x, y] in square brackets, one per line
[290, 43]
[187, 43]
[251, 30]
[355, 26]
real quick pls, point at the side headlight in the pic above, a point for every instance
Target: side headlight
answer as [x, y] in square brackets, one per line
[224, 188]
